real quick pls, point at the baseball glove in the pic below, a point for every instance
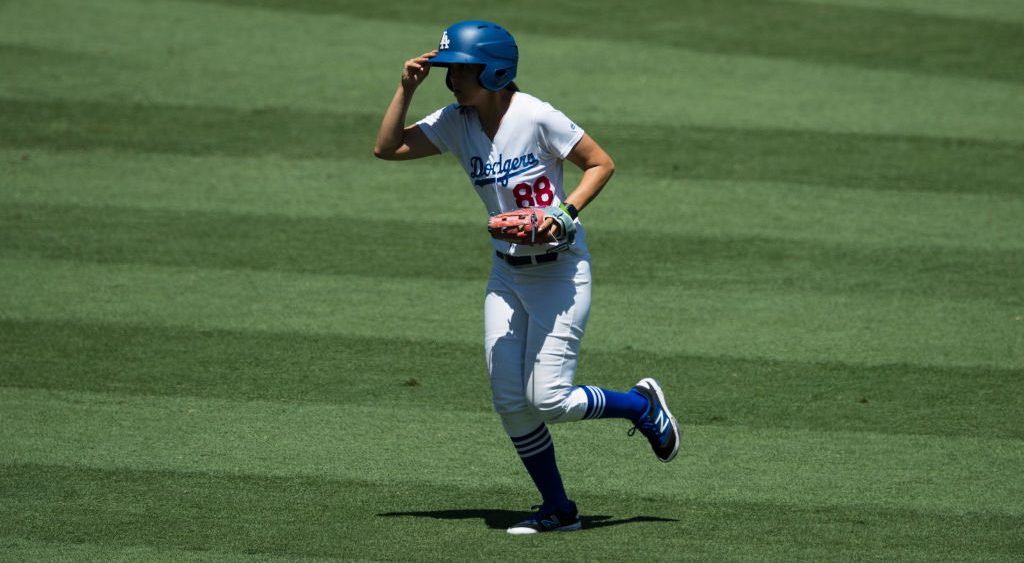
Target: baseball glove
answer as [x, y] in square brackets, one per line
[522, 226]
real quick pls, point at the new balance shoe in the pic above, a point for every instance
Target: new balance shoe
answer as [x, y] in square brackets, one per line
[657, 424]
[549, 520]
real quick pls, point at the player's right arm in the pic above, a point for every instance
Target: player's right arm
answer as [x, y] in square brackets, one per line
[395, 141]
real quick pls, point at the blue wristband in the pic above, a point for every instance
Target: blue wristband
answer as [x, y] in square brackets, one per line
[571, 210]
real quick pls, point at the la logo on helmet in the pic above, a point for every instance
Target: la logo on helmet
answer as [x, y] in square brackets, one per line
[444, 41]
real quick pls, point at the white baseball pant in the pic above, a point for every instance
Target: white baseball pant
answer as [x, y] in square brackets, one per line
[534, 318]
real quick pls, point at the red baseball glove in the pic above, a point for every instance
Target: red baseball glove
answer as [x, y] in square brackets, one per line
[521, 226]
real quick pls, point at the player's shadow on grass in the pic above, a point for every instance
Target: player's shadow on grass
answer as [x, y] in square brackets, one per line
[502, 519]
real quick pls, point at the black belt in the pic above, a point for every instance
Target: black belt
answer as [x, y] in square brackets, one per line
[524, 260]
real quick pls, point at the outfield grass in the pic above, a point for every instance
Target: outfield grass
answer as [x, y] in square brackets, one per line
[228, 333]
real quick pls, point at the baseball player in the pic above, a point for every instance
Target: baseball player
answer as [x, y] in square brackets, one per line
[511, 146]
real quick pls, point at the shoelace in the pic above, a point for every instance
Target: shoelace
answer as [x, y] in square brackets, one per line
[643, 427]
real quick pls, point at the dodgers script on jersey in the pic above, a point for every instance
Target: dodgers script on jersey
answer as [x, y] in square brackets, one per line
[520, 167]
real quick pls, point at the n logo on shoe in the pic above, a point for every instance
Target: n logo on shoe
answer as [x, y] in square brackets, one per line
[663, 422]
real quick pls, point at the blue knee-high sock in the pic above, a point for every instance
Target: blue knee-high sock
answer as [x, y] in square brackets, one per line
[602, 403]
[538, 454]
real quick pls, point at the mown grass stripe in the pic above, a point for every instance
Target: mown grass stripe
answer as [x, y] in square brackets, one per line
[775, 323]
[78, 125]
[338, 369]
[395, 521]
[423, 444]
[327, 245]
[371, 190]
[892, 162]
[403, 248]
[155, 62]
[22, 549]
[826, 34]
[1006, 11]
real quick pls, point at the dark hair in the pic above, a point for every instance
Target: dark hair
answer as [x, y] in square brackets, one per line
[512, 87]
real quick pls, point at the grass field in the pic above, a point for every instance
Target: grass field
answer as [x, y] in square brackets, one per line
[228, 333]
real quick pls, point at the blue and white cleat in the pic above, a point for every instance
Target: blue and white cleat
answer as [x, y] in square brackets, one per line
[657, 424]
[549, 520]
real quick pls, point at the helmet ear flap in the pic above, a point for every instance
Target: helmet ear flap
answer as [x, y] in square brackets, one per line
[489, 79]
[495, 79]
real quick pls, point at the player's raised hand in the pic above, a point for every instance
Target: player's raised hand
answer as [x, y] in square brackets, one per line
[417, 69]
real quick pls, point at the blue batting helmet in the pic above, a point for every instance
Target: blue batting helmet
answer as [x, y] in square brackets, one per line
[481, 43]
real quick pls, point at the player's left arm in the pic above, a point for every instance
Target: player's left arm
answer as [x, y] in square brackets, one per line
[597, 169]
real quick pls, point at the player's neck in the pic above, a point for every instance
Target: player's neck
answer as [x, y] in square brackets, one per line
[492, 109]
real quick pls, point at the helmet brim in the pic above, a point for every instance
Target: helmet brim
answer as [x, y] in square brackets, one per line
[445, 58]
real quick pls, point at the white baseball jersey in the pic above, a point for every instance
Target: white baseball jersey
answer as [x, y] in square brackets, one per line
[520, 167]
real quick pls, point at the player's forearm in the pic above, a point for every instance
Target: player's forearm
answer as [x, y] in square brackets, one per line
[597, 169]
[392, 127]
[593, 181]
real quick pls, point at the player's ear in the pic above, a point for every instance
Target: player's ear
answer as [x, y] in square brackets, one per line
[448, 79]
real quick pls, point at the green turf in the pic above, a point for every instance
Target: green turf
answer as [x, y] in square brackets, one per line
[228, 333]
[248, 365]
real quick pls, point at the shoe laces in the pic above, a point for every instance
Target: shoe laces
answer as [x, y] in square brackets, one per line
[645, 425]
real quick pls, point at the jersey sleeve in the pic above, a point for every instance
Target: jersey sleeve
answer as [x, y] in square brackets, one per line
[439, 127]
[558, 134]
